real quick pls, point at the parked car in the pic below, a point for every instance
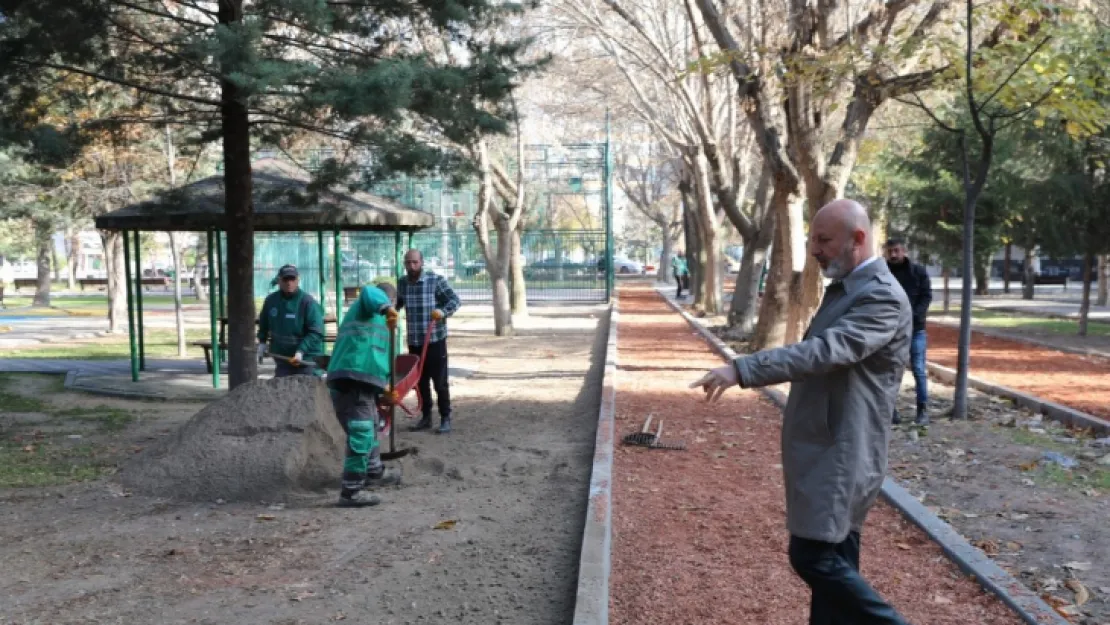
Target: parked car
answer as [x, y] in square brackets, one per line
[625, 266]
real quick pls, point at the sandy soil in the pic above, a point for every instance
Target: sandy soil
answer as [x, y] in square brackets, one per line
[699, 535]
[514, 477]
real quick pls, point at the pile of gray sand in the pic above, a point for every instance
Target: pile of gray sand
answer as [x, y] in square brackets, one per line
[266, 440]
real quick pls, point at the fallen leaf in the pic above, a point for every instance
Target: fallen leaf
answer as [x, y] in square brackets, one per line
[29, 448]
[301, 596]
[1068, 611]
[1028, 482]
[941, 599]
[988, 547]
[265, 517]
[446, 525]
[1028, 466]
[1078, 566]
[1081, 594]
[903, 546]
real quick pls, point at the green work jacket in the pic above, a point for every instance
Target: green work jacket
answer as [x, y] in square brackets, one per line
[362, 346]
[292, 323]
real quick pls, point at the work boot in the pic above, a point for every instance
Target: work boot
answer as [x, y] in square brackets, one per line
[444, 426]
[425, 423]
[357, 499]
[387, 477]
[897, 419]
[922, 416]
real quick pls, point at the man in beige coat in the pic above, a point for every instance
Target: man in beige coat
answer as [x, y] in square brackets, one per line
[845, 374]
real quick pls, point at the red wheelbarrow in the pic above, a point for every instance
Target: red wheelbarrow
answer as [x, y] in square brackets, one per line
[404, 376]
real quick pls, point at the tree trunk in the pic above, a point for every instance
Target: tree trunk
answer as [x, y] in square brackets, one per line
[112, 242]
[72, 256]
[1103, 279]
[1006, 260]
[1089, 261]
[946, 274]
[745, 296]
[54, 264]
[771, 327]
[179, 313]
[239, 209]
[520, 288]
[982, 276]
[497, 263]
[201, 258]
[664, 273]
[1030, 277]
[709, 253]
[45, 245]
[693, 243]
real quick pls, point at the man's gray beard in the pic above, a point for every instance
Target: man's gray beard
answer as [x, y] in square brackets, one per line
[838, 267]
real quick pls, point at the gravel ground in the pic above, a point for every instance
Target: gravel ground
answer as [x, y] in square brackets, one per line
[699, 535]
[513, 477]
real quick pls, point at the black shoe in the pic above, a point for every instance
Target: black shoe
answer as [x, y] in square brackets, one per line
[358, 499]
[444, 426]
[897, 419]
[387, 477]
[425, 423]
[922, 416]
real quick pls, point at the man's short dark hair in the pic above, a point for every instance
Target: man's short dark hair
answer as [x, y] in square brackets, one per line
[893, 241]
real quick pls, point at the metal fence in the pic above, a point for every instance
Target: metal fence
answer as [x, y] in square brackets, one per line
[559, 265]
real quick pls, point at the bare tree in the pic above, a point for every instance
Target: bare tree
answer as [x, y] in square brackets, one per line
[650, 182]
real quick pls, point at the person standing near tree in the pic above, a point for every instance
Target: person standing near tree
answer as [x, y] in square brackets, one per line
[358, 375]
[427, 296]
[845, 376]
[293, 324]
[681, 272]
[919, 290]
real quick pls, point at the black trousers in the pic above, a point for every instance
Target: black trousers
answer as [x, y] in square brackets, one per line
[682, 282]
[840, 594]
[434, 373]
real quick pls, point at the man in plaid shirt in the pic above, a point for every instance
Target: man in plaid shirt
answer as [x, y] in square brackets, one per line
[426, 296]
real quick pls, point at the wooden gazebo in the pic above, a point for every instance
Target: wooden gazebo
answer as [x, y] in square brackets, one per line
[283, 202]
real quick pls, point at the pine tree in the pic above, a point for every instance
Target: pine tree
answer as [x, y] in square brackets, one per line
[251, 72]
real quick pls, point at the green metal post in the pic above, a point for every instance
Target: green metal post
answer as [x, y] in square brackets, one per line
[338, 273]
[212, 301]
[223, 272]
[130, 306]
[608, 210]
[139, 301]
[323, 273]
[400, 269]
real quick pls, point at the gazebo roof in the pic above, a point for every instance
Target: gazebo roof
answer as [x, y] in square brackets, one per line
[278, 187]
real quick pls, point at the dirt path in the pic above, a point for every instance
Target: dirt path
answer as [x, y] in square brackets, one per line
[1082, 382]
[514, 476]
[699, 536]
[990, 478]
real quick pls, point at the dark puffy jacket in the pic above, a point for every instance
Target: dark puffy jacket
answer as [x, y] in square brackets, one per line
[919, 289]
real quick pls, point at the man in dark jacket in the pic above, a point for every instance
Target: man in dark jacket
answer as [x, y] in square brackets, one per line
[919, 290]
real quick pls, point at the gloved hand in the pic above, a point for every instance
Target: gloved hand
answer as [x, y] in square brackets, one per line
[389, 398]
[296, 359]
[391, 317]
[261, 352]
[437, 315]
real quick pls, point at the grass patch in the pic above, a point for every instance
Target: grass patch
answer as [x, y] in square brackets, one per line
[42, 463]
[13, 402]
[160, 343]
[110, 419]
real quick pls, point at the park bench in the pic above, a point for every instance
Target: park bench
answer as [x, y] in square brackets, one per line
[206, 344]
[1061, 279]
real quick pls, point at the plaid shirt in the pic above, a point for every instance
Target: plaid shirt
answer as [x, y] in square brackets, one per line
[420, 298]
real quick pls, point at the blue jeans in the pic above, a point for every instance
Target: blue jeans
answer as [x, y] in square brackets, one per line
[917, 362]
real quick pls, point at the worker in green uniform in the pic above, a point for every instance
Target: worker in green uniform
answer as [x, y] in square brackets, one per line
[681, 272]
[358, 375]
[292, 323]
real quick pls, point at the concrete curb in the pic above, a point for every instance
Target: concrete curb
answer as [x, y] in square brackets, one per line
[1052, 410]
[72, 383]
[1028, 606]
[591, 605]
